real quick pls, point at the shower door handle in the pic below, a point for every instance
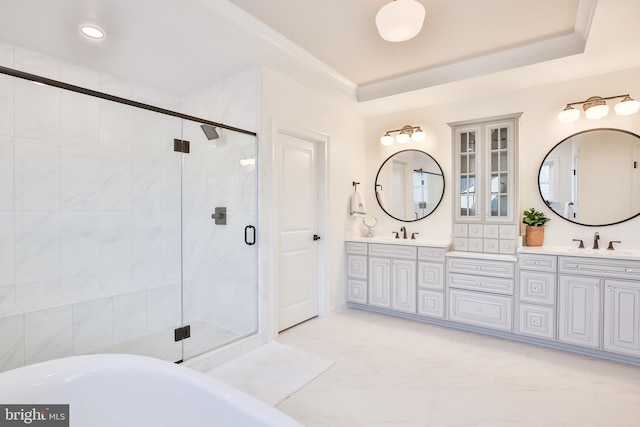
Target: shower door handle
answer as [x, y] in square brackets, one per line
[253, 235]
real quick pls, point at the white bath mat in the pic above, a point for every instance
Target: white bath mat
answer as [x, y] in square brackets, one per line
[272, 372]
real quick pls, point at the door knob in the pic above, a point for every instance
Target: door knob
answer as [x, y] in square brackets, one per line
[316, 237]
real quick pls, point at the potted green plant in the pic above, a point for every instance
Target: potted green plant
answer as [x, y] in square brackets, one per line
[535, 221]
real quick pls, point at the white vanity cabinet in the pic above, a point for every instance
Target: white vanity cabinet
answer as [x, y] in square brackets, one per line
[480, 291]
[431, 282]
[392, 277]
[536, 295]
[485, 171]
[357, 272]
[598, 294]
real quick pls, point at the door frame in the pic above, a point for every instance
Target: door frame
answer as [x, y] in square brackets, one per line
[322, 141]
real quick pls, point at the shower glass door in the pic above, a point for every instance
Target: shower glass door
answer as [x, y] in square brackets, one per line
[219, 215]
[107, 244]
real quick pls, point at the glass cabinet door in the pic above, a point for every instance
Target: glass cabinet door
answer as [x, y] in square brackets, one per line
[467, 202]
[498, 196]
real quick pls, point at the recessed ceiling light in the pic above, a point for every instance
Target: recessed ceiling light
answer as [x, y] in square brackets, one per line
[92, 31]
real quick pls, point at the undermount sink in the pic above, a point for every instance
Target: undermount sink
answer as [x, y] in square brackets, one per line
[604, 252]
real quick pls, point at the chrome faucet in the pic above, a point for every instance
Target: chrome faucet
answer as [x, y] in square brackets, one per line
[404, 232]
[596, 237]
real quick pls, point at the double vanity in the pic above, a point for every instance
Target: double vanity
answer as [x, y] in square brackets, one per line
[576, 299]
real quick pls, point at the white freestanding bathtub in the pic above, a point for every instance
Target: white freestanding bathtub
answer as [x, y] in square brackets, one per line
[122, 390]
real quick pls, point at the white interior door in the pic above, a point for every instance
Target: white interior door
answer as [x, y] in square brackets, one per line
[297, 273]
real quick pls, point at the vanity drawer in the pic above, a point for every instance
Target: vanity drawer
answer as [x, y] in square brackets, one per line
[430, 275]
[357, 248]
[617, 268]
[481, 283]
[357, 291]
[538, 262]
[431, 254]
[430, 304]
[484, 267]
[393, 251]
[489, 311]
[537, 321]
[537, 287]
[357, 266]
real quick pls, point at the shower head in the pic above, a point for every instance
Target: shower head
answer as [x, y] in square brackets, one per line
[210, 132]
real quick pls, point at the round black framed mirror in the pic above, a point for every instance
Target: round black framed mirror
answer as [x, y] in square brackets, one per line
[409, 185]
[592, 178]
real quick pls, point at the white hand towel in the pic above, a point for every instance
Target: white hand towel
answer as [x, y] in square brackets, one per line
[357, 204]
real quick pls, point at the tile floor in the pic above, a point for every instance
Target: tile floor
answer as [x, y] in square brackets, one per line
[395, 372]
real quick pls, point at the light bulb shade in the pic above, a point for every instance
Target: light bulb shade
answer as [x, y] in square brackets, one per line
[627, 106]
[597, 111]
[386, 139]
[403, 138]
[418, 135]
[569, 114]
[400, 20]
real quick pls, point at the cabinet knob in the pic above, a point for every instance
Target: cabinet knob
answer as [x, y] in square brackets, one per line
[595, 286]
[609, 288]
[536, 262]
[579, 266]
[478, 310]
[628, 270]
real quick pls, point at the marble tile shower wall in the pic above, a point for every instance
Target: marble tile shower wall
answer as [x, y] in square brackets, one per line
[90, 212]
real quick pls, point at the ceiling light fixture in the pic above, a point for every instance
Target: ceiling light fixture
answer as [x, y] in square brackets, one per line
[92, 31]
[406, 134]
[400, 20]
[596, 107]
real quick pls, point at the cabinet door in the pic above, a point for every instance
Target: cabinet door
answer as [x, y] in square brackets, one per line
[357, 266]
[499, 184]
[430, 275]
[379, 282]
[622, 317]
[467, 141]
[403, 286]
[579, 310]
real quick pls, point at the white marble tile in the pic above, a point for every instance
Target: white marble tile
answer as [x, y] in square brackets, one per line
[92, 325]
[116, 241]
[116, 126]
[37, 111]
[163, 308]
[115, 181]
[79, 119]
[6, 173]
[39, 295]
[79, 243]
[146, 185]
[12, 348]
[7, 254]
[79, 178]
[81, 288]
[37, 175]
[36, 63]
[391, 371]
[79, 75]
[112, 85]
[117, 281]
[129, 316]
[153, 134]
[48, 334]
[6, 104]
[147, 238]
[37, 246]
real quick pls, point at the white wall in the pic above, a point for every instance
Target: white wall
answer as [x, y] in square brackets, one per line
[540, 130]
[287, 102]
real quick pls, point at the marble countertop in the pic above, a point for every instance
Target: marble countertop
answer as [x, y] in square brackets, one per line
[445, 244]
[571, 251]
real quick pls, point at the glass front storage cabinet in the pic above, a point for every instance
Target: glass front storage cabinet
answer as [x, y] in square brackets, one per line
[485, 193]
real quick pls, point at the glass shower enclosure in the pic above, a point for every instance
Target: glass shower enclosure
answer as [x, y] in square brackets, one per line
[124, 228]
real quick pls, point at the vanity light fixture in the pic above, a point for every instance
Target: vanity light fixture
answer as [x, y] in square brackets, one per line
[400, 20]
[92, 31]
[596, 107]
[406, 134]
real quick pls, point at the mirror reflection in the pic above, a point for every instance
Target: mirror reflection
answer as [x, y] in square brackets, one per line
[409, 185]
[593, 177]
